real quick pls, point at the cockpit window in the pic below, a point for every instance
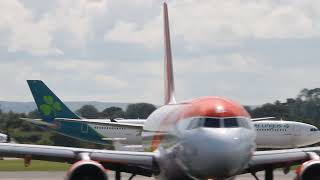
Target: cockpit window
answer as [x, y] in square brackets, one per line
[218, 123]
[314, 129]
[211, 122]
[205, 122]
[231, 122]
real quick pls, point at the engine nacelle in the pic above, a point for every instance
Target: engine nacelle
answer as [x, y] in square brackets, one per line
[86, 169]
[309, 170]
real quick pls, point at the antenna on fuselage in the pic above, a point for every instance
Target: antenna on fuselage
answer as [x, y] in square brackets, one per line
[168, 69]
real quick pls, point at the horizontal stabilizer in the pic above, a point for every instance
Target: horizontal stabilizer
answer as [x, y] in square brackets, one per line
[106, 123]
[38, 122]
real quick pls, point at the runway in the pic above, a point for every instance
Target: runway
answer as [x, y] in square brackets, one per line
[59, 175]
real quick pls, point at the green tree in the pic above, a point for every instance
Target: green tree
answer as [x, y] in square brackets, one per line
[112, 113]
[88, 111]
[139, 110]
[34, 114]
[277, 110]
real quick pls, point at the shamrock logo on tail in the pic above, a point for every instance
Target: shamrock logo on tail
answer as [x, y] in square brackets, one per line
[50, 106]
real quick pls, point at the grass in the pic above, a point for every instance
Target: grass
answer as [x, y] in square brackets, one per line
[18, 165]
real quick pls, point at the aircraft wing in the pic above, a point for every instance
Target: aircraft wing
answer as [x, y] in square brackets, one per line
[144, 163]
[132, 162]
[262, 160]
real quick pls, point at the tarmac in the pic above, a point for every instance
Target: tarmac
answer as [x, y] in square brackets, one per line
[59, 175]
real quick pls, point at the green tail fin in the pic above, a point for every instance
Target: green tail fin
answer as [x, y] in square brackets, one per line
[49, 105]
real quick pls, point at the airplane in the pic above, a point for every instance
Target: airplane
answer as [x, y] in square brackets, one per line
[279, 134]
[288, 134]
[204, 138]
[56, 116]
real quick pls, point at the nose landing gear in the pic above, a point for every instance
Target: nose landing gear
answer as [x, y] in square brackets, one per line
[268, 174]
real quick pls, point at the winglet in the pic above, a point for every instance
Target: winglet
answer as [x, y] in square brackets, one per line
[169, 80]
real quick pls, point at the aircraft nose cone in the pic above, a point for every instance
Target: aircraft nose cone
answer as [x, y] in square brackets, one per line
[212, 153]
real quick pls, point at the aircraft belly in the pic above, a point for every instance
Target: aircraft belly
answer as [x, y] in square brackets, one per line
[305, 140]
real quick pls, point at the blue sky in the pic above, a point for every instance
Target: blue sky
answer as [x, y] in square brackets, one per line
[112, 50]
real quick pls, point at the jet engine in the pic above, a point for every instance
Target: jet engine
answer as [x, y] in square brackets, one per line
[86, 169]
[309, 170]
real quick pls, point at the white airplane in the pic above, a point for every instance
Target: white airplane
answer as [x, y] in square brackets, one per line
[285, 134]
[204, 138]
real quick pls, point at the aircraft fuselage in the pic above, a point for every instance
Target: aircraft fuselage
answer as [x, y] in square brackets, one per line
[201, 138]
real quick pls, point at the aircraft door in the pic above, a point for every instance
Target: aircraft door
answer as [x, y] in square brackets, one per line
[84, 128]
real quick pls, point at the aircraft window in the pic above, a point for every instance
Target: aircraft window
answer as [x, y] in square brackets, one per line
[231, 122]
[204, 122]
[313, 129]
[212, 122]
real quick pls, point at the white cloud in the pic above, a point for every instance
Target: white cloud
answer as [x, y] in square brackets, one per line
[25, 34]
[78, 80]
[127, 32]
[76, 18]
[233, 62]
[261, 71]
[109, 81]
[35, 35]
[225, 23]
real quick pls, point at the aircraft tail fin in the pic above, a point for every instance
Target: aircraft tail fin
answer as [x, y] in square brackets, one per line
[49, 105]
[169, 97]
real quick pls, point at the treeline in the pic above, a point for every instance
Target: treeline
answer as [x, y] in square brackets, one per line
[133, 111]
[303, 108]
[24, 132]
